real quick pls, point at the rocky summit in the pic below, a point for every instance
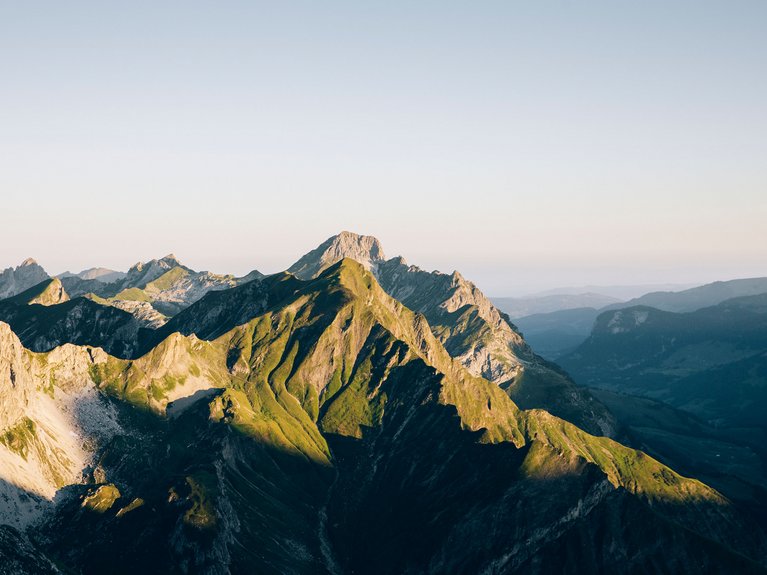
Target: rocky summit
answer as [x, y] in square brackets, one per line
[16, 280]
[354, 414]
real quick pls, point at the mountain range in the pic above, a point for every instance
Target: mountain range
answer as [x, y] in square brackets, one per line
[354, 414]
[556, 332]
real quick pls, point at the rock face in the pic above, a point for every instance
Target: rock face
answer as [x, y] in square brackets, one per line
[470, 327]
[366, 250]
[49, 412]
[142, 273]
[20, 557]
[146, 315]
[14, 281]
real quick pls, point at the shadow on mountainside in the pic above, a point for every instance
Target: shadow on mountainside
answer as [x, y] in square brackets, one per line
[417, 493]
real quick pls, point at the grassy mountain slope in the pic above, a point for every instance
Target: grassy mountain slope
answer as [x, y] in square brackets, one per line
[703, 377]
[470, 327]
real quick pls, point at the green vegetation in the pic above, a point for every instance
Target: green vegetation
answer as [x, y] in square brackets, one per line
[167, 280]
[102, 498]
[625, 467]
[132, 294]
[20, 437]
[203, 488]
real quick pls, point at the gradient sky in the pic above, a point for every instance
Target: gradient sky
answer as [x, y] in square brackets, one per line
[528, 144]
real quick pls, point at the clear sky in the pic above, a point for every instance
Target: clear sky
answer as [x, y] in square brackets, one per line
[529, 144]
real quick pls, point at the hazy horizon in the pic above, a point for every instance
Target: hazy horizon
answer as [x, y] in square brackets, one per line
[528, 145]
[519, 289]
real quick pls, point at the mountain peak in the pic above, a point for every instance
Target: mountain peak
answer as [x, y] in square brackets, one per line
[48, 292]
[366, 250]
[171, 258]
[157, 265]
[15, 280]
[348, 244]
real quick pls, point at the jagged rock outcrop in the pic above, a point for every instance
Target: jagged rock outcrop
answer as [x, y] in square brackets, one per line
[47, 292]
[366, 250]
[141, 273]
[144, 313]
[15, 280]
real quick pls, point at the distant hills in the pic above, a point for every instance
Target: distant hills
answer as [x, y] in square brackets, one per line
[718, 353]
[527, 306]
[621, 292]
[556, 333]
[699, 297]
[104, 275]
[559, 331]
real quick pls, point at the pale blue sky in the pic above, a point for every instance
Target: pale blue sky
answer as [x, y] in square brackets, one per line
[528, 144]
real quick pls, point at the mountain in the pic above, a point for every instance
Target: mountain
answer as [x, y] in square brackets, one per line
[44, 318]
[155, 290]
[103, 275]
[559, 332]
[619, 292]
[711, 362]
[15, 280]
[366, 250]
[729, 459]
[527, 306]
[322, 427]
[470, 327]
[47, 292]
[688, 388]
[699, 297]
